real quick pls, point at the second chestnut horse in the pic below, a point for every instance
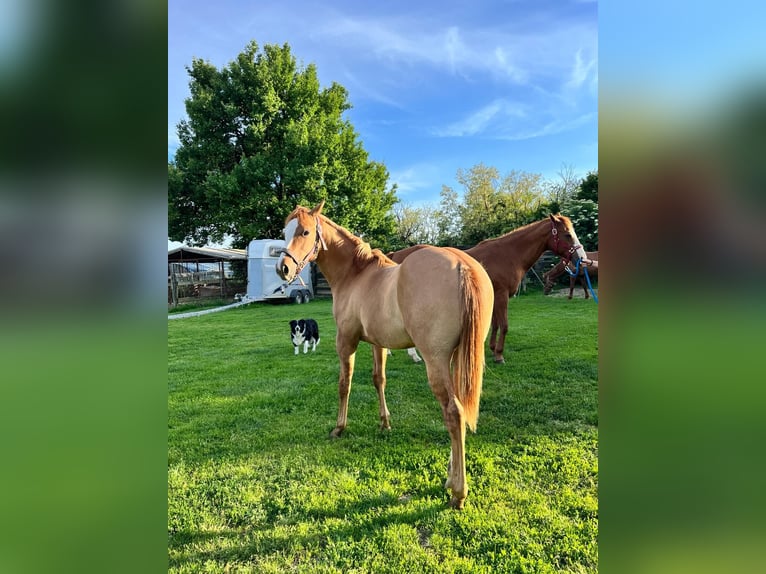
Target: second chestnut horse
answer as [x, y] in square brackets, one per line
[507, 259]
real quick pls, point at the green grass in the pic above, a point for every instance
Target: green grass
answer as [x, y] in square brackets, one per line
[256, 485]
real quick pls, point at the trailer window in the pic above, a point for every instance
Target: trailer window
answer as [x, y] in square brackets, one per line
[275, 251]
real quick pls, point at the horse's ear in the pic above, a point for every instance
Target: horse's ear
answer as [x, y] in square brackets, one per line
[553, 219]
[318, 209]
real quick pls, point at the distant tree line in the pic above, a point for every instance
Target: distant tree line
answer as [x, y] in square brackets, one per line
[490, 206]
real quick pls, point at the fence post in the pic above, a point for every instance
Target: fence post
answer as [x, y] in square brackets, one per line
[173, 285]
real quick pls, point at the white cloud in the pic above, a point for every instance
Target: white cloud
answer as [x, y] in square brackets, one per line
[581, 71]
[453, 47]
[482, 120]
[505, 120]
[555, 126]
[516, 52]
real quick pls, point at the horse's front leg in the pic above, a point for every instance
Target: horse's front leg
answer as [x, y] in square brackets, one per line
[346, 354]
[379, 356]
[500, 322]
[572, 281]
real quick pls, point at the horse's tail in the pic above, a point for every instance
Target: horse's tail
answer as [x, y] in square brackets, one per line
[468, 358]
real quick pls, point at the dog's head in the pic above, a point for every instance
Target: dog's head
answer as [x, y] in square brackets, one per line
[297, 330]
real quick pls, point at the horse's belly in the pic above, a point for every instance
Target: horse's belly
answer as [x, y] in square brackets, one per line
[389, 340]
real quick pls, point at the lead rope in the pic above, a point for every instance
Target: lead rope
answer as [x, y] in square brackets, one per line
[587, 277]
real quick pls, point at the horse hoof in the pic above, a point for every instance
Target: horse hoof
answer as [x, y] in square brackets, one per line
[457, 503]
[500, 360]
[385, 426]
[336, 432]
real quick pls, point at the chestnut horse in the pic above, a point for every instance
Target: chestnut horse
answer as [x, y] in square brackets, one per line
[549, 277]
[507, 259]
[439, 300]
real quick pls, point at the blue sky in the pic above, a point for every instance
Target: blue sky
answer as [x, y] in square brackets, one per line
[435, 86]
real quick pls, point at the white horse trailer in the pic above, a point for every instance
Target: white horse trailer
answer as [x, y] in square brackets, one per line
[263, 283]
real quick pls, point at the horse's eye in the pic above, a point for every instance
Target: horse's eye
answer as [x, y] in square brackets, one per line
[305, 233]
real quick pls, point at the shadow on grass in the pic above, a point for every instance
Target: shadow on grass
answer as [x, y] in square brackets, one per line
[370, 516]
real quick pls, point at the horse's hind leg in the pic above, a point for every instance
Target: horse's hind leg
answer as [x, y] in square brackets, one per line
[346, 355]
[379, 379]
[440, 380]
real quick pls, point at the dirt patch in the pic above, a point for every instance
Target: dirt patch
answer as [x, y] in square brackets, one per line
[578, 293]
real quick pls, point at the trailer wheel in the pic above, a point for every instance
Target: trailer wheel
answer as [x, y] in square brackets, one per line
[307, 295]
[298, 298]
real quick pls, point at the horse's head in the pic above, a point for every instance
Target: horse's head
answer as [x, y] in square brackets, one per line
[563, 240]
[303, 234]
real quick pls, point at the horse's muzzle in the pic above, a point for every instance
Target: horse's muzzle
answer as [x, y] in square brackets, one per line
[283, 269]
[577, 253]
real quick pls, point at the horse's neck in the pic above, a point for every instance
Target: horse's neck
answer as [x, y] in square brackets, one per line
[337, 261]
[526, 244]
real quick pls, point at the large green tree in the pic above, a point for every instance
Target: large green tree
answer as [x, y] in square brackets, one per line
[260, 138]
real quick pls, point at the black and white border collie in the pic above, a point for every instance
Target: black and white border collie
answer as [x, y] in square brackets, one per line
[305, 332]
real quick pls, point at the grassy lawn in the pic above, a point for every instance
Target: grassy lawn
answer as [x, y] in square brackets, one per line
[256, 485]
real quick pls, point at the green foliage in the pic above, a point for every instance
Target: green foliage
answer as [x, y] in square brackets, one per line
[490, 205]
[582, 209]
[588, 188]
[262, 137]
[256, 485]
[448, 218]
[584, 216]
[414, 225]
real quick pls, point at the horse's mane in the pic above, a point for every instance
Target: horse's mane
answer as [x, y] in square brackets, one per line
[364, 254]
[523, 229]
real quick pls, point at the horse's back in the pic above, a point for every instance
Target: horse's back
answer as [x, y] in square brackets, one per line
[402, 254]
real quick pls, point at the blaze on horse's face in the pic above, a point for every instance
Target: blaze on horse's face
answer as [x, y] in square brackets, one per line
[568, 238]
[302, 242]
